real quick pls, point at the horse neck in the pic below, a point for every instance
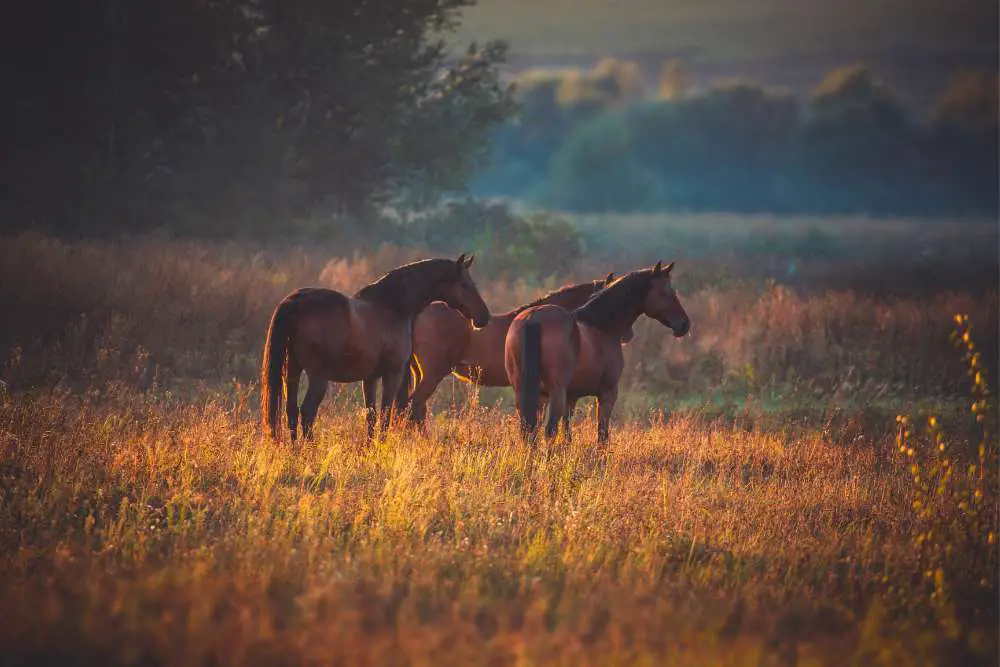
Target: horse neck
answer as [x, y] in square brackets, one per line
[624, 313]
[622, 322]
[407, 291]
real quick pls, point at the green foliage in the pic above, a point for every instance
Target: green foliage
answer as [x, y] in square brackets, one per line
[532, 247]
[595, 170]
[241, 110]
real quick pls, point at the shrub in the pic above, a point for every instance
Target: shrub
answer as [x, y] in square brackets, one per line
[531, 247]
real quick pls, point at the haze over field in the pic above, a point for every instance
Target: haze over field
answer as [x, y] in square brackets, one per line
[781, 42]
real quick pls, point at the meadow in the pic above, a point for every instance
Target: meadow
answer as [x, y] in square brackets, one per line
[809, 478]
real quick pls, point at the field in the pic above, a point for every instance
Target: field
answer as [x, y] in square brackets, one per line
[760, 503]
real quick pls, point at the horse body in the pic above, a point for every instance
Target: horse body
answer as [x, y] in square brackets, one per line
[443, 343]
[568, 355]
[366, 337]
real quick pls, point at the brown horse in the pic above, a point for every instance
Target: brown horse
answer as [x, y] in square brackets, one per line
[443, 342]
[367, 337]
[571, 355]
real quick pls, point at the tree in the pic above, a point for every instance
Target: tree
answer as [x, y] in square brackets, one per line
[963, 141]
[596, 170]
[297, 104]
[857, 143]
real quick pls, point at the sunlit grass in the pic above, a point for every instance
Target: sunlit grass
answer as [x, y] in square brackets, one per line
[144, 520]
[134, 527]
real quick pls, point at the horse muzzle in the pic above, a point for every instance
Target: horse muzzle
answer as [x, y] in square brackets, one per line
[682, 328]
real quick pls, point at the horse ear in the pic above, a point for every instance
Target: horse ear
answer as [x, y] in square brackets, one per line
[461, 259]
[669, 268]
[657, 269]
[468, 261]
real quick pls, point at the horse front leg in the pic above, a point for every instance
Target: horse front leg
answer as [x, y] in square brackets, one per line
[368, 387]
[390, 389]
[605, 405]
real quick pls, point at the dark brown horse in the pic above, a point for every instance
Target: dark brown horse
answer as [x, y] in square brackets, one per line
[570, 355]
[367, 337]
[443, 343]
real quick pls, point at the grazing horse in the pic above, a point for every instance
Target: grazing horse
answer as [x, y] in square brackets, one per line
[367, 337]
[443, 342]
[570, 355]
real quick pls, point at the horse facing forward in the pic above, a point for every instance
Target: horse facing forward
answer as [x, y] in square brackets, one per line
[443, 343]
[366, 337]
[571, 355]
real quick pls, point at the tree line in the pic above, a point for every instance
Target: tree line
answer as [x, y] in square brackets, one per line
[597, 141]
[233, 116]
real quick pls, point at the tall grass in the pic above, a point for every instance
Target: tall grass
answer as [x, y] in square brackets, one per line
[145, 520]
[177, 314]
[137, 529]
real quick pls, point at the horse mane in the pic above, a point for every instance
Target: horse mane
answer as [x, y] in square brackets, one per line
[602, 308]
[397, 289]
[555, 294]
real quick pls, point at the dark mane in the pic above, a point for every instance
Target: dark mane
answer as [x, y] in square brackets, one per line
[625, 293]
[401, 288]
[556, 294]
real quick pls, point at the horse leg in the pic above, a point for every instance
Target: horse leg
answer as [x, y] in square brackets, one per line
[605, 404]
[293, 374]
[310, 404]
[391, 382]
[368, 387]
[570, 409]
[434, 371]
[557, 410]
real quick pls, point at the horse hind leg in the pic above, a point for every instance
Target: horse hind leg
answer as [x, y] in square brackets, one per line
[557, 412]
[293, 374]
[310, 404]
[567, 416]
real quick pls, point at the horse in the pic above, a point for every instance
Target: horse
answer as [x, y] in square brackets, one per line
[443, 342]
[569, 355]
[366, 337]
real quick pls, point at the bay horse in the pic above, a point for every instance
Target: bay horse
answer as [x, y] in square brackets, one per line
[443, 343]
[366, 337]
[568, 355]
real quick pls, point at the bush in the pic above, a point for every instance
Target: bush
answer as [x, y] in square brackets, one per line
[596, 170]
[508, 245]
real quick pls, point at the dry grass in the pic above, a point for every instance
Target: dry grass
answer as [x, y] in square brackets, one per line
[139, 530]
[144, 520]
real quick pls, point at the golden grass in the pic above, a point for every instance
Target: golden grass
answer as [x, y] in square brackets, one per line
[144, 520]
[140, 529]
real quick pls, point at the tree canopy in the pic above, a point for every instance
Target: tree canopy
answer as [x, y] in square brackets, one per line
[121, 112]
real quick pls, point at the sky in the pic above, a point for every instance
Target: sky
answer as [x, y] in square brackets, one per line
[734, 29]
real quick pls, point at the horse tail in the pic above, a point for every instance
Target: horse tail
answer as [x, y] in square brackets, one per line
[408, 387]
[531, 373]
[272, 372]
[416, 375]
